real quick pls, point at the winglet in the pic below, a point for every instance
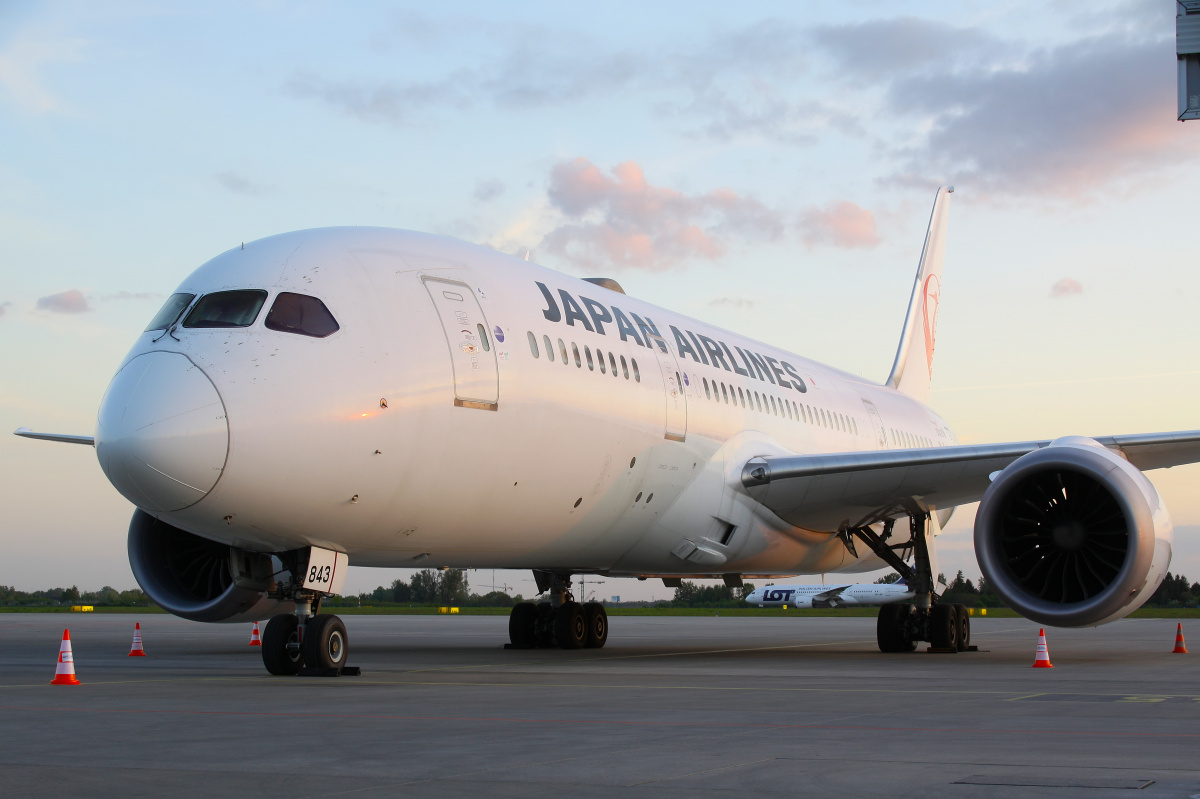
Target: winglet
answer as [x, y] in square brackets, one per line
[913, 367]
[25, 432]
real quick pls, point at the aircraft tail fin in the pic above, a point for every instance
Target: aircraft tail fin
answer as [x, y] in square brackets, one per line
[913, 367]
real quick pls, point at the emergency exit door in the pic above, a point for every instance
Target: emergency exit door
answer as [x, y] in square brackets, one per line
[472, 354]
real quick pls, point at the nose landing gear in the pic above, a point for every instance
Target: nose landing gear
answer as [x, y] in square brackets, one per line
[308, 643]
[316, 648]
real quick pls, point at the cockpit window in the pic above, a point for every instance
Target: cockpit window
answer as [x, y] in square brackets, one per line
[300, 313]
[227, 309]
[172, 308]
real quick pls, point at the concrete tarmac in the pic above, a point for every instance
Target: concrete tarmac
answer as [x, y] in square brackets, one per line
[672, 707]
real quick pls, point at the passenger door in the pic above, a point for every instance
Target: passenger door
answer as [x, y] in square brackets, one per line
[873, 415]
[676, 399]
[472, 355]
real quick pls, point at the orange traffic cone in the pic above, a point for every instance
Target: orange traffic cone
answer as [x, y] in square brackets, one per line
[255, 640]
[136, 650]
[1042, 659]
[64, 673]
[1179, 649]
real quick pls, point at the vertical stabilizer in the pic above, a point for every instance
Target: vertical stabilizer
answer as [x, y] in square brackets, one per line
[913, 367]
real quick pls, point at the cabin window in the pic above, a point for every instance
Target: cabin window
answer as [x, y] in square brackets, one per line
[562, 350]
[301, 314]
[578, 360]
[483, 338]
[600, 358]
[587, 353]
[172, 309]
[612, 363]
[637, 374]
[758, 401]
[227, 309]
[549, 348]
[707, 393]
[624, 367]
[855, 423]
[532, 343]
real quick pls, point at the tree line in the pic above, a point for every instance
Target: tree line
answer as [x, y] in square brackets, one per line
[1175, 591]
[58, 597]
[428, 587]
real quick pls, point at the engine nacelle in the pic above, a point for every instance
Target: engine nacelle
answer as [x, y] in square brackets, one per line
[197, 578]
[1073, 535]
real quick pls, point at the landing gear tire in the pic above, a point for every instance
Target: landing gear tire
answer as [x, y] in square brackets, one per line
[325, 643]
[597, 625]
[570, 626]
[943, 627]
[964, 628]
[544, 635]
[522, 625]
[277, 657]
[891, 628]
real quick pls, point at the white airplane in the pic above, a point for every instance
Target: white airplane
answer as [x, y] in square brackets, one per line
[830, 596]
[388, 398]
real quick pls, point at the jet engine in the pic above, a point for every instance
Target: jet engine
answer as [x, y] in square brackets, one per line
[200, 579]
[1073, 535]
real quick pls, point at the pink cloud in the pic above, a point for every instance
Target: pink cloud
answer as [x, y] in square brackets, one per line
[70, 301]
[621, 220]
[840, 224]
[1067, 287]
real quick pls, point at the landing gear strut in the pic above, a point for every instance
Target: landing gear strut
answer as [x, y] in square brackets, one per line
[560, 622]
[946, 627]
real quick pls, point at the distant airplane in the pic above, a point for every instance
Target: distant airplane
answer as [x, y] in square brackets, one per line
[830, 596]
[395, 399]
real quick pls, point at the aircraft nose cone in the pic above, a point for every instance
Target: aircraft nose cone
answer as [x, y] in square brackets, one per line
[162, 436]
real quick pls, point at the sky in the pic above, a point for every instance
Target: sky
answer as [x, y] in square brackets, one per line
[766, 166]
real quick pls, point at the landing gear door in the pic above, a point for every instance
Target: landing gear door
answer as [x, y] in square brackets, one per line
[471, 353]
[873, 415]
[676, 424]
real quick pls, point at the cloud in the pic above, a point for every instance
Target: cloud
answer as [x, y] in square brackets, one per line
[487, 190]
[737, 303]
[21, 62]
[880, 49]
[127, 295]
[238, 184]
[70, 301]
[4, 307]
[1064, 123]
[387, 102]
[620, 220]
[1067, 287]
[734, 83]
[839, 224]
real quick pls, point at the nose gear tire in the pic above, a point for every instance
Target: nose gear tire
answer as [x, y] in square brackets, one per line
[277, 657]
[325, 642]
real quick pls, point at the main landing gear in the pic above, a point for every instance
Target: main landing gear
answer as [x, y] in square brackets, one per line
[947, 627]
[561, 622]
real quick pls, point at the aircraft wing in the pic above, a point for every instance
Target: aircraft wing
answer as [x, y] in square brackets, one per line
[828, 493]
[832, 593]
[62, 438]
